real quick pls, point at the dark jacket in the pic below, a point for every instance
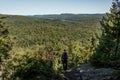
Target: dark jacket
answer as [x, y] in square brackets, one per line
[64, 56]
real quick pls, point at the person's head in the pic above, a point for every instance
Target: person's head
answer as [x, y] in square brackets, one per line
[64, 50]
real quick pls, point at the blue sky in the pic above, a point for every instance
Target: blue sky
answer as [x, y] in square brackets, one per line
[32, 7]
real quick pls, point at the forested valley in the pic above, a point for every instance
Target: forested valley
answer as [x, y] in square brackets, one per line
[37, 44]
[31, 46]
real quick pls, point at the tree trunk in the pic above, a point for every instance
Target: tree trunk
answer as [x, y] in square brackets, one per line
[117, 44]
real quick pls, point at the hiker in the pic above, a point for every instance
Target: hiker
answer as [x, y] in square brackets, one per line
[64, 59]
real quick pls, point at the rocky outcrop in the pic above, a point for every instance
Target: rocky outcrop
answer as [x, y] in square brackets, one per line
[88, 72]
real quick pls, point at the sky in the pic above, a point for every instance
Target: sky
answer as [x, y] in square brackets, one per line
[41, 7]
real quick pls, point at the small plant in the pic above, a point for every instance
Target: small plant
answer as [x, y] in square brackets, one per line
[116, 74]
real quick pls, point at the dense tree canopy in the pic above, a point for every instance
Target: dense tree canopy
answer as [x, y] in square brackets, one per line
[5, 46]
[39, 43]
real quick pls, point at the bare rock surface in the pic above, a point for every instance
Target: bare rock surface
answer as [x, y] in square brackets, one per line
[88, 72]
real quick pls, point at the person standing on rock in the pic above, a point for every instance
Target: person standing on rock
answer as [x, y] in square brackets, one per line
[65, 60]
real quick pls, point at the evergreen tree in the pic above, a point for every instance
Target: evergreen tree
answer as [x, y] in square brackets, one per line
[107, 51]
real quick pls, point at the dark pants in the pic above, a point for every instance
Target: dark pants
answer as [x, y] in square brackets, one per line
[64, 62]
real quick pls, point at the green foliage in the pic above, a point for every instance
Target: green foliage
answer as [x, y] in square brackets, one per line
[39, 43]
[5, 47]
[106, 53]
[116, 74]
[5, 44]
[52, 36]
[28, 66]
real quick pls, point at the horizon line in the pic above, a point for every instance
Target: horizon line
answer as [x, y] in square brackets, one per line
[47, 14]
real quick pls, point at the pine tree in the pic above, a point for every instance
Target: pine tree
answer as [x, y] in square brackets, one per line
[111, 24]
[107, 50]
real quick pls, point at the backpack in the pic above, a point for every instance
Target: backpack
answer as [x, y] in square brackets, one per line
[64, 56]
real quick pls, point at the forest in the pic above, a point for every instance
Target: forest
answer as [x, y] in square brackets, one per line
[31, 47]
[42, 40]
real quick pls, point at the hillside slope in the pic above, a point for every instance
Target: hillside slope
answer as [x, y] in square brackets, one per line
[44, 40]
[73, 17]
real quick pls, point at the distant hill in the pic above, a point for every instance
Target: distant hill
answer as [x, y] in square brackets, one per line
[79, 27]
[73, 17]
